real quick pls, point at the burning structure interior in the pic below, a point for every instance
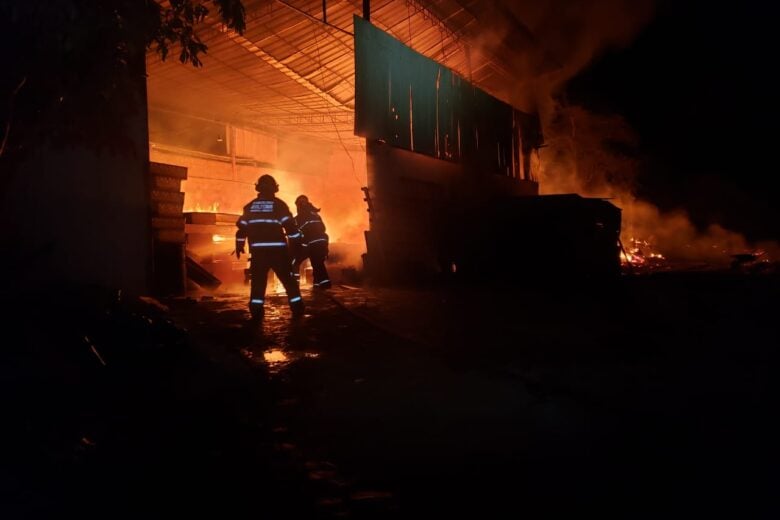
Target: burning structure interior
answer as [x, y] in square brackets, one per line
[389, 115]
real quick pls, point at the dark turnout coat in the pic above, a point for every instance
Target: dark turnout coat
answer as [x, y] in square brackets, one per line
[265, 226]
[265, 223]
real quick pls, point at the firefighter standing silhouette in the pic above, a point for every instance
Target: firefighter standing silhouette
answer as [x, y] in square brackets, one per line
[267, 225]
[314, 244]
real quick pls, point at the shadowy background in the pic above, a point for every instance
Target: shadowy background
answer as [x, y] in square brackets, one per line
[699, 87]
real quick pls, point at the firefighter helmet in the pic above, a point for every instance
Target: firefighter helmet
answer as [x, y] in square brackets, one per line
[266, 184]
[303, 204]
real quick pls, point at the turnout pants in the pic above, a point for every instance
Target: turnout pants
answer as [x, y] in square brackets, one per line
[277, 259]
[316, 252]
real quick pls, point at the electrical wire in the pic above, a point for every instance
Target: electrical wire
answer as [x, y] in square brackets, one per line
[335, 126]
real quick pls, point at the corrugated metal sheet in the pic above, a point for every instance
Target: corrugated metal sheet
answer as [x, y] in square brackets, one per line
[289, 73]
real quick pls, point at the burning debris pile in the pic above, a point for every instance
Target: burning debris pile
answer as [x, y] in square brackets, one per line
[583, 157]
[756, 262]
[640, 256]
[641, 253]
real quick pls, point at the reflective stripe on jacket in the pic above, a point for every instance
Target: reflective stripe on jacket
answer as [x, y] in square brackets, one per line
[311, 225]
[266, 223]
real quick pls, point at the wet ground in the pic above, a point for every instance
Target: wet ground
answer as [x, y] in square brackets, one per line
[653, 396]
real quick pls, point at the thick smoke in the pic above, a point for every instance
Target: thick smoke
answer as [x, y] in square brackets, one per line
[597, 155]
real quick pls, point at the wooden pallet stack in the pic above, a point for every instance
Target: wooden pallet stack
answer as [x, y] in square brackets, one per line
[216, 257]
[167, 222]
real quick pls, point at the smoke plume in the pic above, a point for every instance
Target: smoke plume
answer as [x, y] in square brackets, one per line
[593, 154]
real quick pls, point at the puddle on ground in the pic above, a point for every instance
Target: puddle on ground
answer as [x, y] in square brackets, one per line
[276, 359]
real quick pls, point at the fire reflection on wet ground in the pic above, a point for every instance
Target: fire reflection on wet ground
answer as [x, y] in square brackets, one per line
[286, 350]
[276, 359]
[277, 341]
[475, 400]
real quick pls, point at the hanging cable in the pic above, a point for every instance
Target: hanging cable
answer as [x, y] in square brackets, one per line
[335, 126]
[409, 21]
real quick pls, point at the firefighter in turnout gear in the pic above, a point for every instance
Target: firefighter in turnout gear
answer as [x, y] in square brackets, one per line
[267, 226]
[314, 245]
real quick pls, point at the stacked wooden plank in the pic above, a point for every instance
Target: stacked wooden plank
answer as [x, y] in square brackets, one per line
[211, 223]
[166, 202]
[211, 242]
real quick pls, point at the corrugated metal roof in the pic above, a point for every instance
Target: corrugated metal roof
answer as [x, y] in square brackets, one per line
[289, 73]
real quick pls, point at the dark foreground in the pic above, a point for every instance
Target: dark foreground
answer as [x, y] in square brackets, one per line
[654, 396]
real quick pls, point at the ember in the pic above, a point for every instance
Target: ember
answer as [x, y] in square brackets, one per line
[641, 253]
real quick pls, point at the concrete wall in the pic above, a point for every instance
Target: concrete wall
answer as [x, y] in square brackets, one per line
[77, 216]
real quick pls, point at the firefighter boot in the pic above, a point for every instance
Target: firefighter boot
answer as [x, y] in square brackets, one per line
[297, 307]
[257, 309]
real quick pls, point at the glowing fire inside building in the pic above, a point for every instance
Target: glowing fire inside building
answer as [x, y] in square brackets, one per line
[389, 259]
[391, 120]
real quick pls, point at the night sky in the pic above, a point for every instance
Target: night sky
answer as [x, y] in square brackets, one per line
[698, 85]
